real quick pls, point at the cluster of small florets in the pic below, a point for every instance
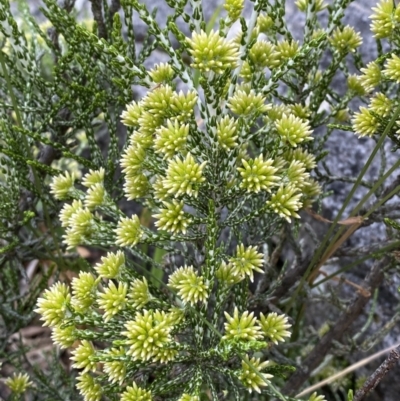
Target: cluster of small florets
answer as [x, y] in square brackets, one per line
[372, 119]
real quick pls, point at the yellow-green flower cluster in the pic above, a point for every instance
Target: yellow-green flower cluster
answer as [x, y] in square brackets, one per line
[385, 19]
[345, 40]
[251, 376]
[172, 218]
[234, 9]
[18, 383]
[315, 6]
[135, 393]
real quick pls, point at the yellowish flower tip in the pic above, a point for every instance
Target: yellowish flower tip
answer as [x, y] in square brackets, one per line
[111, 265]
[384, 19]
[160, 192]
[64, 337]
[136, 186]
[345, 40]
[286, 202]
[184, 176]
[315, 397]
[63, 185]
[251, 380]
[248, 104]
[175, 316]
[157, 102]
[130, 116]
[68, 211]
[381, 104]
[171, 139]
[81, 226]
[211, 52]
[364, 123]
[189, 397]
[246, 261]
[88, 387]
[172, 218]
[301, 155]
[293, 130]
[234, 9]
[355, 84]
[392, 69]
[371, 77]
[84, 290]
[227, 133]
[314, 6]
[263, 54]
[115, 369]
[276, 112]
[135, 393]
[129, 231]
[227, 274]
[95, 196]
[139, 293]
[241, 328]
[310, 190]
[143, 137]
[296, 174]
[113, 299]
[162, 73]
[265, 23]
[82, 357]
[93, 177]
[190, 286]
[274, 327]
[286, 50]
[258, 174]
[53, 306]
[300, 110]
[18, 383]
[147, 336]
[342, 115]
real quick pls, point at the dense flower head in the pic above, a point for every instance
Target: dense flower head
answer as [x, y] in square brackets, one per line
[148, 123]
[64, 337]
[345, 40]
[68, 211]
[211, 52]
[286, 49]
[146, 336]
[241, 328]
[95, 196]
[53, 306]
[286, 202]
[258, 174]
[172, 218]
[139, 293]
[392, 69]
[82, 357]
[248, 376]
[157, 102]
[18, 383]
[315, 397]
[84, 290]
[265, 23]
[182, 105]
[190, 286]
[130, 116]
[184, 176]
[113, 299]
[162, 73]
[135, 393]
[227, 133]
[62, 186]
[247, 104]
[88, 388]
[93, 177]
[246, 261]
[234, 9]
[316, 6]
[263, 54]
[371, 77]
[384, 19]
[355, 84]
[364, 123]
[381, 104]
[129, 231]
[274, 326]
[81, 227]
[227, 273]
[296, 174]
[171, 138]
[111, 265]
[136, 186]
[189, 397]
[115, 368]
[293, 130]
[132, 159]
[301, 155]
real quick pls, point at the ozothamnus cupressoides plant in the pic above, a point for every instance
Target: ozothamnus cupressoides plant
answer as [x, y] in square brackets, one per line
[211, 157]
